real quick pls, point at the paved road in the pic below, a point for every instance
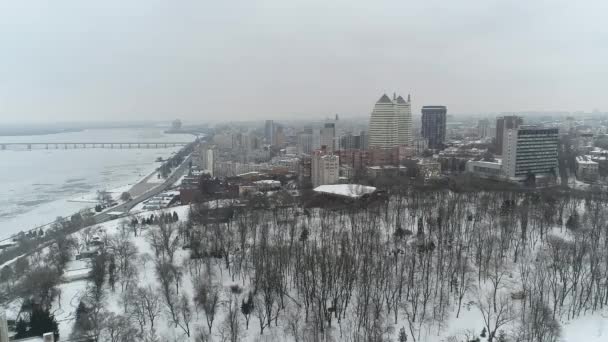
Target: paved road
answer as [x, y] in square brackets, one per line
[125, 207]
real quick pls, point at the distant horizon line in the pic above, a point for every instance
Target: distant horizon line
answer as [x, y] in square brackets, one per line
[286, 117]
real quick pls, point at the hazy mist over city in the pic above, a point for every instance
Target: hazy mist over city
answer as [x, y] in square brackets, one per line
[204, 60]
[303, 171]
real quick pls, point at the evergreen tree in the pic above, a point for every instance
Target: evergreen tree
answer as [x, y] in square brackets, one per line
[304, 235]
[21, 329]
[502, 336]
[112, 272]
[483, 332]
[402, 335]
[247, 308]
[43, 322]
[83, 322]
[175, 217]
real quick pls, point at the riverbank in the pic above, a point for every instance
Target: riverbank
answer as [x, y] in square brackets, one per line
[37, 186]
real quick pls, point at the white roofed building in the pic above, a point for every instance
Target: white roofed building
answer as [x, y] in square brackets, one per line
[346, 190]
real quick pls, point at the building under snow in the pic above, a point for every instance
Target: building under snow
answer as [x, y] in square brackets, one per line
[346, 190]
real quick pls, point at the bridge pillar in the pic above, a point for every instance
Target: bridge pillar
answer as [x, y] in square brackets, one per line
[3, 147]
[65, 146]
[75, 146]
[138, 145]
[47, 146]
[29, 146]
[156, 145]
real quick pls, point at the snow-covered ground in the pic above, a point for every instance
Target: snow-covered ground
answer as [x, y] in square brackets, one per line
[590, 327]
[469, 324]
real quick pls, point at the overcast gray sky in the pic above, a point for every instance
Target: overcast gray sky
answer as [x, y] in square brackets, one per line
[198, 59]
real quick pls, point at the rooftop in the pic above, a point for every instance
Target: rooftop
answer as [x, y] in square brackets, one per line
[384, 99]
[346, 190]
[584, 160]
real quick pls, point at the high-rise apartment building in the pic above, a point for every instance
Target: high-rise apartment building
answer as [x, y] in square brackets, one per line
[325, 169]
[391, 122]
[483, 127]
[503, 124]
[433, 125]
[206, 159]
[269, 132]
[530, 150]
[279, 137]
[305, 143]
[328, 135]
[363, 140]
[349, 141]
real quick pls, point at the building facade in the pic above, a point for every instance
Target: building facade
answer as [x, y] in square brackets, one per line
[305, 145]
[503, 124]
[325, 169]
[328, 135]
[349, 141]
[269, 131]
[485, 169]
[391, 123]
[433, 125]
[483, 127]
[587, 170]
[530, 150]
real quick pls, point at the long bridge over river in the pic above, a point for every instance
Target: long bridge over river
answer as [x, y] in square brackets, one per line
[89, 144]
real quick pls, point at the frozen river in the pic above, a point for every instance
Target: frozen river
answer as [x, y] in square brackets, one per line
[37, 186]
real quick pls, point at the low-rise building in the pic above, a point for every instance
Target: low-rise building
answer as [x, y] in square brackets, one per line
[267, 185]
[485, 169]
[353, 191]
[429, 169]
[385, 171]
[587, 170]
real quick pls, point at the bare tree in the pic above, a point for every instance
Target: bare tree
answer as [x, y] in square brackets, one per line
[185, 314]
[118, 329]
[494, 320]
[231, 328]
[208, 299]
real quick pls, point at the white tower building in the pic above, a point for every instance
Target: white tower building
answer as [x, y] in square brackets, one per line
[391, 123]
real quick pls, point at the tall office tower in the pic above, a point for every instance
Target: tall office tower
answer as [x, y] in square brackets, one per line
[504, 123]
[207, 157]
[325, 169]
[328, 134]
[316, 138]
[483, 126]
[279, 137]
[433, 125]
[349, 141]
[305, 142]
[363, 140]
[404, 120]
[269, 132]
[390, 124]
[530, 150]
